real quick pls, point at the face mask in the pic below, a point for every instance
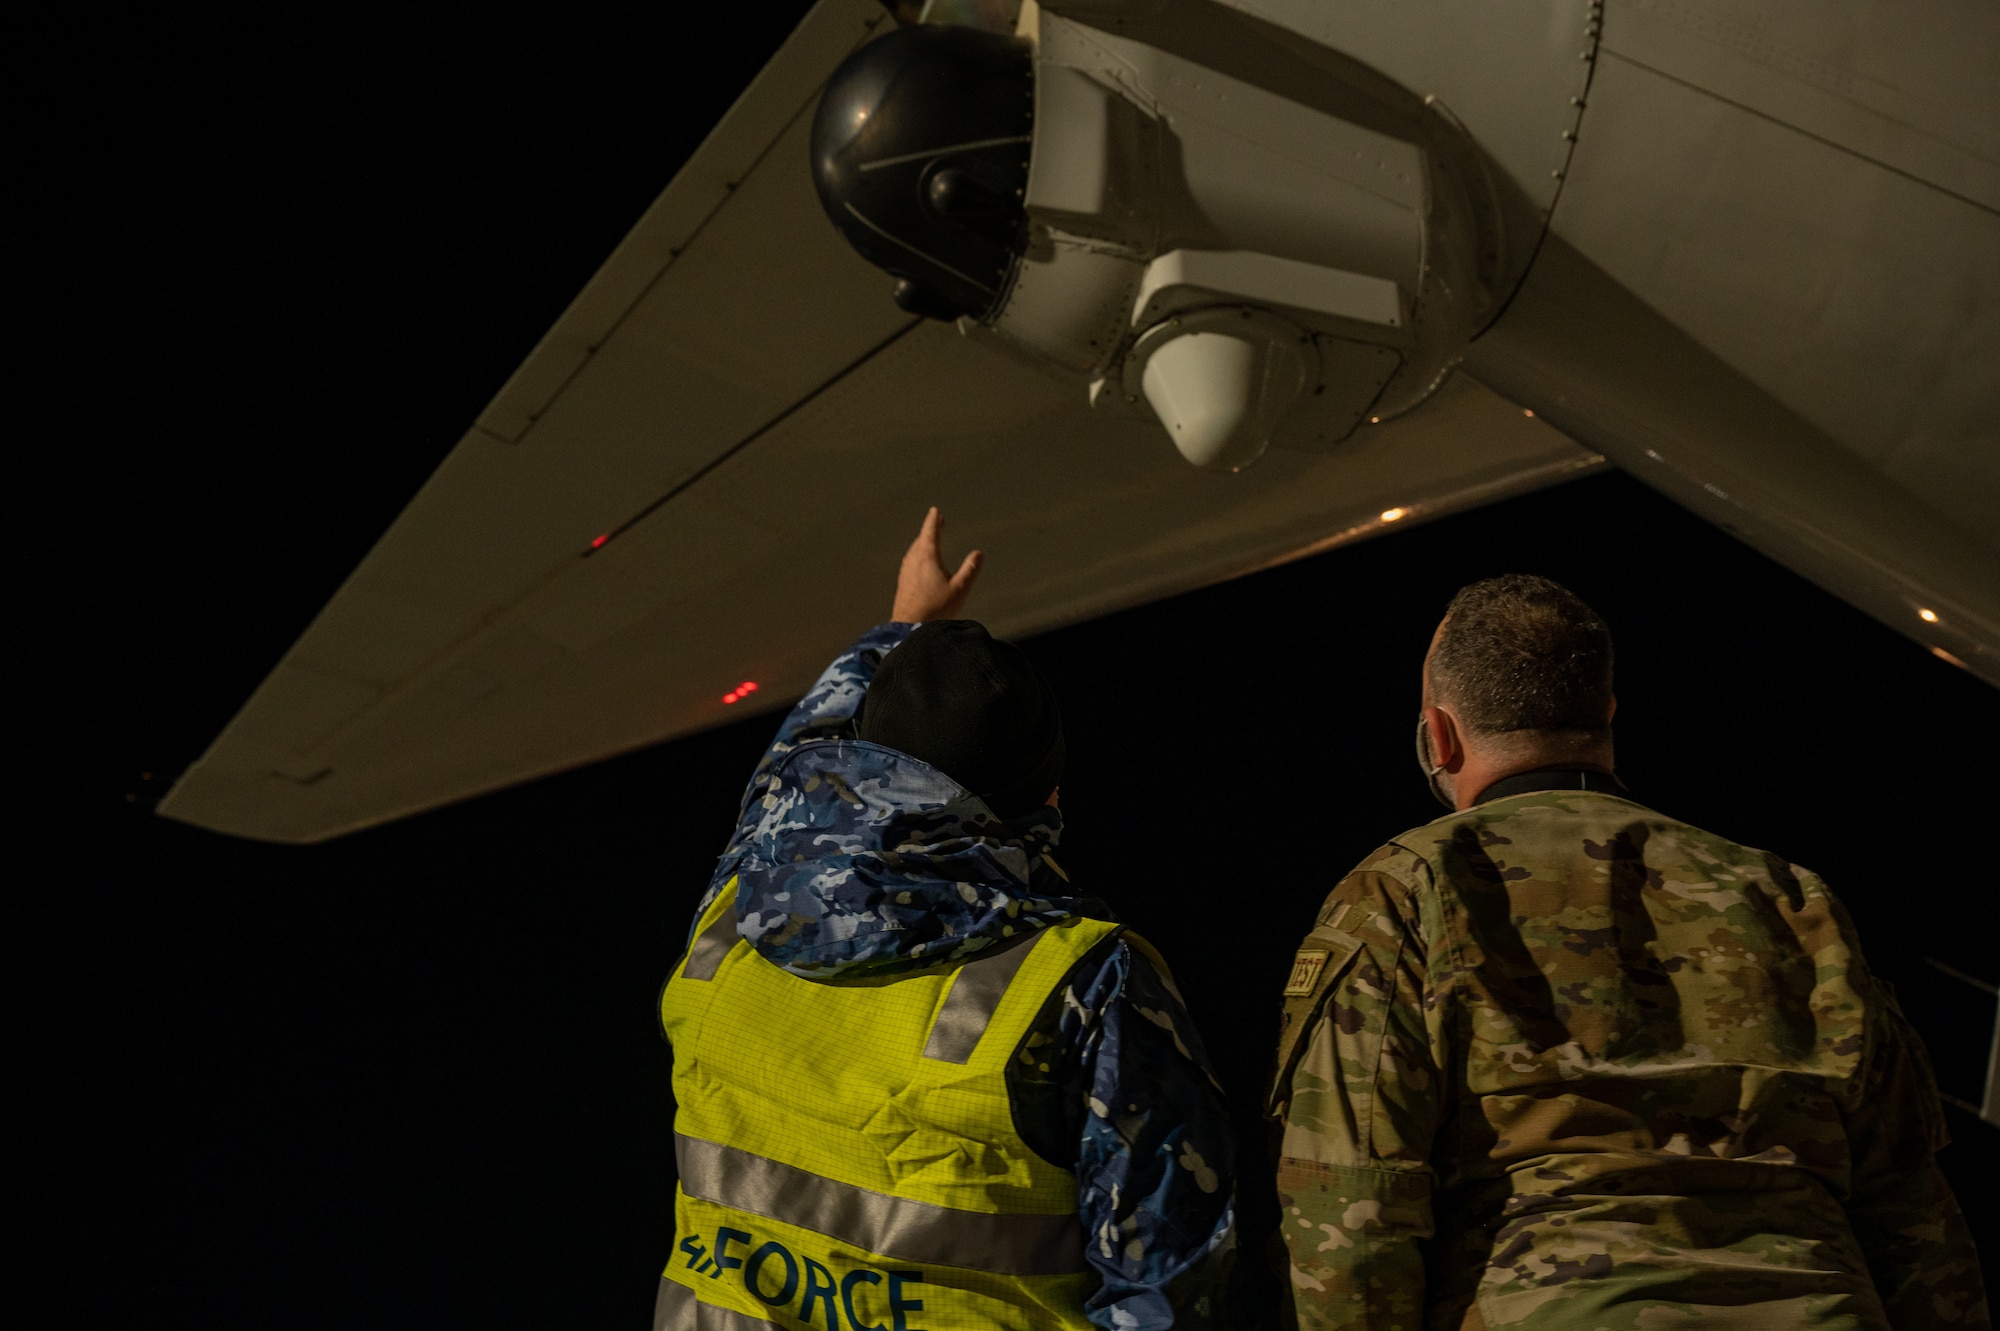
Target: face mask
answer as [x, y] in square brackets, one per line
[1433, 770]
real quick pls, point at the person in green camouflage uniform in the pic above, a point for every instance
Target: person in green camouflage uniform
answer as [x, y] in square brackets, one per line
[1558, 1060]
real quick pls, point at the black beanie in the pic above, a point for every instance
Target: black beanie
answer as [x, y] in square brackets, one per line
[973, 707]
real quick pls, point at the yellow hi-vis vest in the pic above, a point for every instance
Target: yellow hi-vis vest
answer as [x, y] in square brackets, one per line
[848, 1158]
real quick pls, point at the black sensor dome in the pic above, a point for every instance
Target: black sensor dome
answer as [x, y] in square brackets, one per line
[920, 153]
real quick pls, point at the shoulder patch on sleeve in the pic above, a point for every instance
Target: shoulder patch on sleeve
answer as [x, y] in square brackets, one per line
[1317, 967]
[1306, 967]
[1310, 960]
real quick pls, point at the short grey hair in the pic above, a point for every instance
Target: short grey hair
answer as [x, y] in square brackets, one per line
[1524, 653]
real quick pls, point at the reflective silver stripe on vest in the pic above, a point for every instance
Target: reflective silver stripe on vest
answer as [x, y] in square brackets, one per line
[711, 947]
[1009, 1245]
[968, 1008]
[677, 1309]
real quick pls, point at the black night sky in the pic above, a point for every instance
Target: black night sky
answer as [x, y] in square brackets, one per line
[412, 1078]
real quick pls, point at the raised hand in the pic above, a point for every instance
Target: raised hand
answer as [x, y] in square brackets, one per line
[924, 590]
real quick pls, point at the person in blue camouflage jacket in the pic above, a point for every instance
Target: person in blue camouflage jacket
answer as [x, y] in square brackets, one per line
[852, 859]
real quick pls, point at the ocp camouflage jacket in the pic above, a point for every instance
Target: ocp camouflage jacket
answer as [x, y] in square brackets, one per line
[1559, 1061]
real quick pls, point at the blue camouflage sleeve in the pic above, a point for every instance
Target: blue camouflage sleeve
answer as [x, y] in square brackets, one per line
[1156, 1163]
[826, 712]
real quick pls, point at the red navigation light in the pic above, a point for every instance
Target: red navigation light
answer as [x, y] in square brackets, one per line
[741, 691]
[731, 696]
[747, 686]
[599, 542]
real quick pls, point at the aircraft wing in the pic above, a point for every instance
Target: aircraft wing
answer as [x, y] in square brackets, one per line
[705, 475]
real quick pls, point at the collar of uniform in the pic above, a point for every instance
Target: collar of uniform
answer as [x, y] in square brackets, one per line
[1552, 778]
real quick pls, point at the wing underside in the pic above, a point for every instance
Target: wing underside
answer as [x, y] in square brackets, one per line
[753, 429]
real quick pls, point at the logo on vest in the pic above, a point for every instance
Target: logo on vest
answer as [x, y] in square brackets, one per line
[796, 1284]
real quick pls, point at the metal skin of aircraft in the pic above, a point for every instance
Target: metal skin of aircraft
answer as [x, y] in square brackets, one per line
[1427, 253]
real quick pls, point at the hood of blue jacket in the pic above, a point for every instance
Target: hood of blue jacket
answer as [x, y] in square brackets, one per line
[865, 861]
